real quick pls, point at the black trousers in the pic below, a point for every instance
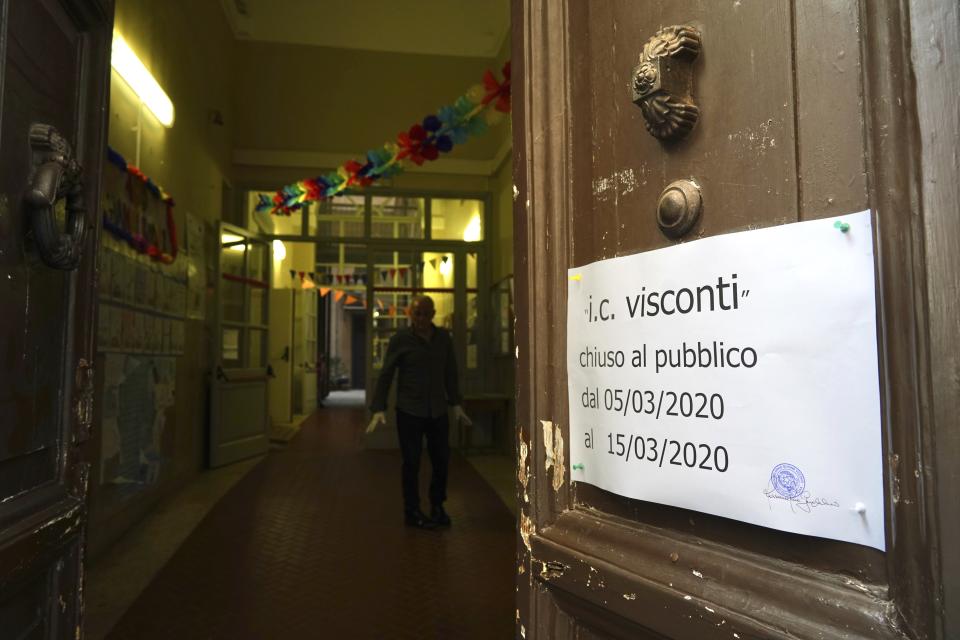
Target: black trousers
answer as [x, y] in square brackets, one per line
[411, 431]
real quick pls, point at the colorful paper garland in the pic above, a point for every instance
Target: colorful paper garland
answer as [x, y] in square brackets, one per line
[136, 240]
[424, 141]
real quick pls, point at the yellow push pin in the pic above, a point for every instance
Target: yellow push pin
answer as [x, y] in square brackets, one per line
[576, 277]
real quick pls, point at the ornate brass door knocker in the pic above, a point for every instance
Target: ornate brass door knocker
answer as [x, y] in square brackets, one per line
[56, 175]
[662, 84]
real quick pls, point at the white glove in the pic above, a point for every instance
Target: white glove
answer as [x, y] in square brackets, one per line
[460, 416]
[378, 418]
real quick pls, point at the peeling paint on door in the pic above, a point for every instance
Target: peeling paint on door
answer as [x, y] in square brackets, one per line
[553, 452]
[527, 529]
[619, 183]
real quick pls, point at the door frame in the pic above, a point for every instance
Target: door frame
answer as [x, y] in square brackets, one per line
[561, 547]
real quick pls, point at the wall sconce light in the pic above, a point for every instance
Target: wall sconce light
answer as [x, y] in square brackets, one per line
[141, 81]
[279, 250]
[473, 231]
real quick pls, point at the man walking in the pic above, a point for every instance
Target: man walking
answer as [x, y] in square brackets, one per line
[427, 385]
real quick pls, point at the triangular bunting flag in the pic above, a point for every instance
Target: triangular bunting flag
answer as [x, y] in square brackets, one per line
[306, 284]
[293, 273]
[393, 272]
[323, 291]
[337, 295]
[352, 300]
[403, 272]
[384, 274]
[433, 263]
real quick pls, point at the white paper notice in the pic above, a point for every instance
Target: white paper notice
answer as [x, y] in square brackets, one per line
[735, 375]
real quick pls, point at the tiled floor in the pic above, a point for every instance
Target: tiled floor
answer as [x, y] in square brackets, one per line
[310, 544]
[116, 578]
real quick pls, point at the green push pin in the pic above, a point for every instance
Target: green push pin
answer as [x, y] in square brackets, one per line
[843, 226]
[578, 467]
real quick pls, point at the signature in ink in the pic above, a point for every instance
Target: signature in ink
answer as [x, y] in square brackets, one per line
[803, 502]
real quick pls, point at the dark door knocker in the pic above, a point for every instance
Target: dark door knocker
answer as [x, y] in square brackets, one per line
[662, 84]
[55, 175]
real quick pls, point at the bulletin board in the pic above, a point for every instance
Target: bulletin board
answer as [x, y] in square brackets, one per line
[143, 305]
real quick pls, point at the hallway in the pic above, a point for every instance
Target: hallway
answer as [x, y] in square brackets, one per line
[311, 544]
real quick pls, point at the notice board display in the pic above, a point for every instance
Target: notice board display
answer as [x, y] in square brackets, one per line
[737, 376]
[143, 285]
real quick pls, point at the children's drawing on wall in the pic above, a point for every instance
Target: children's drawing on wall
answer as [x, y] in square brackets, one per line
[137, 392]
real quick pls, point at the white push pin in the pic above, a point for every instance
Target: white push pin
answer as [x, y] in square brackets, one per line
[860, 508]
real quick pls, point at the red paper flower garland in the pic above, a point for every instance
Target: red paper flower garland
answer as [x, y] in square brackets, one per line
[422, 142]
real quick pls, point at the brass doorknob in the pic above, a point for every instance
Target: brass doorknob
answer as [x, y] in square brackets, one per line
[679, 207]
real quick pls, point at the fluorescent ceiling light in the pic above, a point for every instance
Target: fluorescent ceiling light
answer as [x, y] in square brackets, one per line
[128, 65]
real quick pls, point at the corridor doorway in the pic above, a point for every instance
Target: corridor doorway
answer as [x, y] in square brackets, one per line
[364, 257]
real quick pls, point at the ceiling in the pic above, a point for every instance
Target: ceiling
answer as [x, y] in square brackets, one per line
[473, 28]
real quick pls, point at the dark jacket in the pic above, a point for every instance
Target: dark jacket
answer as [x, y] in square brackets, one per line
[427, 383]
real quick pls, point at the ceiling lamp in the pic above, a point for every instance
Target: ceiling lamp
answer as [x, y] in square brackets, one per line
[141, 81]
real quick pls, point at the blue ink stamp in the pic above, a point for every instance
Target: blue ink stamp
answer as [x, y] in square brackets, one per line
[787, 480]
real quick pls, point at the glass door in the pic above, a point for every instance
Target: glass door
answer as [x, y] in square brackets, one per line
[239, 424]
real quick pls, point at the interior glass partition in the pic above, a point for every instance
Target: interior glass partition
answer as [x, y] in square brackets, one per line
[243, 298]
[397, 217]
[375, 251]
[341, 217]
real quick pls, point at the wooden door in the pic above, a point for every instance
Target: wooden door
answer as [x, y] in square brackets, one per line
[806, 110]
[54, 61]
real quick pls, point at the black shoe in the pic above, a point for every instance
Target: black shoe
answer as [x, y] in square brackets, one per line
[418, 519]
[439, 517]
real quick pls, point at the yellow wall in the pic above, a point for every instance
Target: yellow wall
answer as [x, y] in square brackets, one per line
[189, 49]
[346, 101]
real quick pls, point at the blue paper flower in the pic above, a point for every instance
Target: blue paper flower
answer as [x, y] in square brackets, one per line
[444, 143]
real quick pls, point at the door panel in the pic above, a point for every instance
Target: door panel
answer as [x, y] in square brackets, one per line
[797, 121]
[54, 61]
